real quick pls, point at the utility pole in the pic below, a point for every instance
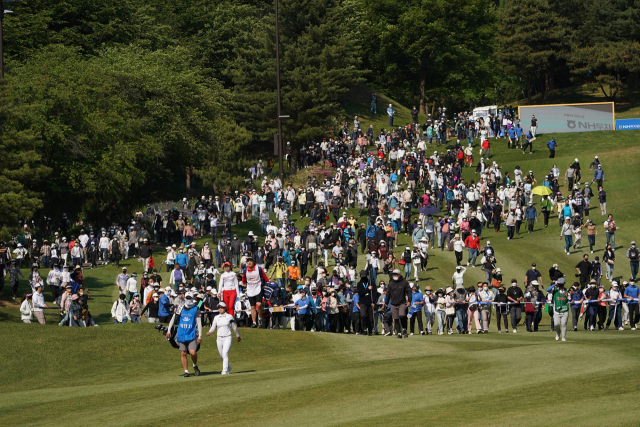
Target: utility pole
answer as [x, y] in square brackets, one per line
[9, 12]
[280, 142]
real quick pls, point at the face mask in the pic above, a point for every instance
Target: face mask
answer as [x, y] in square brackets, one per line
[428, 292]
[533, 268]
[324, 294]
[189, 303]
[485, 289]
[80, 293]
[396, 278]
[155, 298]
[513, 285]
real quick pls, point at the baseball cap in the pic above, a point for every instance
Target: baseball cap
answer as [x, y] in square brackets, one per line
[189, 295]
[221, 304]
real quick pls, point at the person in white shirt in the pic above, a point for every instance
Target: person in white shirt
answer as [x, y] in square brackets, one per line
[20, 253]
[132, 286]
[39, 305]
[224, 322]
[121, 281]
[104, 248]
[53, 281]
[458, 276]
[228, 289]
[429, 309]
[84, 239]
[26, 313]
[485, 295]
[120, 310]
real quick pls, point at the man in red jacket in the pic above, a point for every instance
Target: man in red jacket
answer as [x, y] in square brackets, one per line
[472, 242]
[486, 148]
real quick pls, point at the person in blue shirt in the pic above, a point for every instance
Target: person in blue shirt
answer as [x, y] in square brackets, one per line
[417, 303]
[189, 333]
[164, 307]
[598, 176]
[631, 292]
[302, 307]
[519, 134]
[355, 313]
[531, 213]
[390, 113]
[552, 148]
[511, 141]
[528, 143]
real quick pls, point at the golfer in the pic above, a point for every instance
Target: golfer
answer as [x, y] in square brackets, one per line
[188, 318]
[224, 322]
[560, 308]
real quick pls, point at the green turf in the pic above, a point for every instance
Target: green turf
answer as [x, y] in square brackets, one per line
[128, 375]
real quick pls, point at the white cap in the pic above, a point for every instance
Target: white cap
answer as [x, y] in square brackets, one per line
[209, 288]
[221, 304]
[167, 289]
[189, 295]
[534, 283]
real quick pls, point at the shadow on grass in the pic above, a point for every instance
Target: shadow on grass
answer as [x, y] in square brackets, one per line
[202, 374]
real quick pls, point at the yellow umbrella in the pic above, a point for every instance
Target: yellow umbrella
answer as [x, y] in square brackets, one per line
[541, 190]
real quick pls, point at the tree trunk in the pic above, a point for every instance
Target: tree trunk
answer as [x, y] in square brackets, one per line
[188, 178]
[423, 82]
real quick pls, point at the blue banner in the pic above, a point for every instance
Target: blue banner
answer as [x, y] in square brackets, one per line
[627, 124]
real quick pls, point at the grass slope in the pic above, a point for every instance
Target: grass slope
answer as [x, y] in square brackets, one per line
[128, 375]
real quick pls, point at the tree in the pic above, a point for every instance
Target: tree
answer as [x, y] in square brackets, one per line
[429, 49]
[119, 126]
[606, 45]
[533, 39]
[318, 64]
[21, 172]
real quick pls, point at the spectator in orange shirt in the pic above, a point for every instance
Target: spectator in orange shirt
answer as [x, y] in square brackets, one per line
[294, 274]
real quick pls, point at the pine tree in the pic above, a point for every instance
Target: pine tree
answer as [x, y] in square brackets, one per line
[533, 39]
[606, 47]
[318, 64]
[21, 172]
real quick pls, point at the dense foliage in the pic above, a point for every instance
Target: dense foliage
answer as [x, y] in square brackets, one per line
[107, 105]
